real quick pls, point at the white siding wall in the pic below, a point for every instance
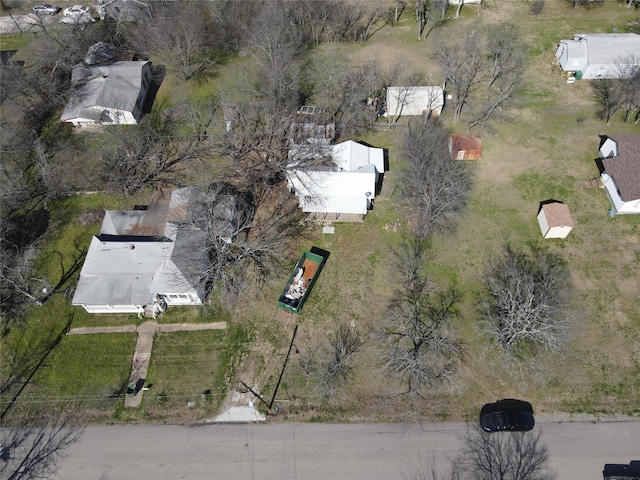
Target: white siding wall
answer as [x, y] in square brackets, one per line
[609, 149]
[544, 225]
[182, 299]
[113, 308]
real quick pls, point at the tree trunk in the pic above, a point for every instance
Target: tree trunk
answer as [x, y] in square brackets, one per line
[460, 4]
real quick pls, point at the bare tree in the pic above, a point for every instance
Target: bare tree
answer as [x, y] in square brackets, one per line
[333, 364]
[491, 456]
[398, 7]
[355, 86]
[19, 275]
[229, 18]
[621, 92]
[199, 116]
[180, 34]
[537, 6]
[374, 14]
[524, 305]
[149, 154]
[314, 18]
[435, 188]
[422, 10]
[345, 21]
[631, 98]
[278, 47]
[463, 65]
[325, 76]
[505, 456]
[43, 82]
[420, 345]
[255, 142]
[33, 443]
[504, 75]
[608, 94]
[246, 238]
[427, 16]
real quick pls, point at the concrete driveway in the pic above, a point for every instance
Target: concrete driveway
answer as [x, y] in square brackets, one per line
[24, 22]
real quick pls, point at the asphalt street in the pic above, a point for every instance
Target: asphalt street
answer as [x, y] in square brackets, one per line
[20, 23]
[578, 450]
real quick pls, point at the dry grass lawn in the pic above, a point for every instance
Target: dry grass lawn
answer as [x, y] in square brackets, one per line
[545, 150]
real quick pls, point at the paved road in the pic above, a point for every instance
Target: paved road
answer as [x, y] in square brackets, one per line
[17, 23]
[319, 451]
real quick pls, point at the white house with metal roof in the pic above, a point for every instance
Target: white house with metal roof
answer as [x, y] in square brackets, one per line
[112, 93]
[343, 188]
[600, 55]
[145, 260]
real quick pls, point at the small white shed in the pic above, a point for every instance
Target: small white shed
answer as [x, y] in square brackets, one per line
[555, 220]
[414, 100]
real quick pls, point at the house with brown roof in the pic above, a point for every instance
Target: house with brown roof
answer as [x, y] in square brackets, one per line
[619, 165]
[554, 219]
[465, 147]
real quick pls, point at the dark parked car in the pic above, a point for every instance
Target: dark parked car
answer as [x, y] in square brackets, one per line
[615, 471]
[45, 9]
[508, 415]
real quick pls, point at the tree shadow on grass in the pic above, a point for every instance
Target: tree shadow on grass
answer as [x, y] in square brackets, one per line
[26, 361]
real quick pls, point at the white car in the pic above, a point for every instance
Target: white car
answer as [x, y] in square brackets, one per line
[45, 9]
[77, 14]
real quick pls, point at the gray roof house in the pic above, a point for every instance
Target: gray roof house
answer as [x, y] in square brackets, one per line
[145, 260]
[123, 10]
[112, 93]
[619, 164]
[600, 55]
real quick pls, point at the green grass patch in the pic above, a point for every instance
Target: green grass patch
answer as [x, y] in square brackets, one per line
[184, 365]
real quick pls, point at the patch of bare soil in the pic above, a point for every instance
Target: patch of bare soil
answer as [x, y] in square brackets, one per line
[91, 217]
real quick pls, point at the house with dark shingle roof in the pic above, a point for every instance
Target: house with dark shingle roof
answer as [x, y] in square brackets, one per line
[108, 93]
[619, 165]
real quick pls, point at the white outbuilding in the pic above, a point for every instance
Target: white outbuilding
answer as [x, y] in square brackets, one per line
[414, 100]
[555, 220]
